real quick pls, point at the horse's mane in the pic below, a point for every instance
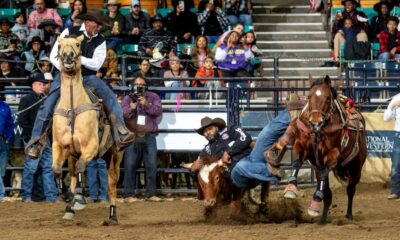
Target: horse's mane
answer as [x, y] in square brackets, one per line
[319, 82]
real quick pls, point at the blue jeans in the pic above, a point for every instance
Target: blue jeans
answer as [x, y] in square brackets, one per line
[4, 150]
[249, 171]
[386, 56]
[30, 168]
[114, 42]
[132, 159]
[244, 19]
[395, 176]
[97, 170]
[212, 39]
[100, 88]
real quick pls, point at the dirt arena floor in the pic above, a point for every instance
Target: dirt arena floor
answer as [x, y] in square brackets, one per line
[375, 217]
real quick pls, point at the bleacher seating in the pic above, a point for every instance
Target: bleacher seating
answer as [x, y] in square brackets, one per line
[8, 13]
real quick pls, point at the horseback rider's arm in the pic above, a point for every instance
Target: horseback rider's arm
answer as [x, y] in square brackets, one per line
[241, 140]
[390, 112]
[94, 63]
[54, 51]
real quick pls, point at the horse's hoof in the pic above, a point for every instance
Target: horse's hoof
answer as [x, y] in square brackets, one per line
[69, 216]
[315, 208]
[78, 203]
[290, 191]
[110, 222]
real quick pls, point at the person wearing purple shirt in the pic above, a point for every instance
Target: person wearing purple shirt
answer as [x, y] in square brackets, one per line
[144, 109]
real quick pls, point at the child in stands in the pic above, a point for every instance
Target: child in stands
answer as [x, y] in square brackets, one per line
[250, 41]
[20, 29]
[389, 40]
[208, 71]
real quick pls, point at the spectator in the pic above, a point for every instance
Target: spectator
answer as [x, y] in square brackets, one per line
[353, 50]
[6, 136]
[110, 65]
[208, 71]
[250, 41]
[49, 29]
[20, 29]
[157, 42]
[239, 11]
[393, 112]
[9, 42]
[360, 20]
[389, 40]
[187, 3]
[41, 13]
[78, 7]
[33, 54]
[25, 121]
[45, 66]
[97, 180]
[197, 54]
[238, 28]
[232, 58]
[379, 23]
[8, 69]
[144, 109]
[175, 72]
[145, 72]
[136, 23]
[212, 19]
[182, 23]
[114, 33]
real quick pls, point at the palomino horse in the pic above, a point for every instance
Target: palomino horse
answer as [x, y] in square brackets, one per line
[215, 186]
[331, 137]
[76, 131]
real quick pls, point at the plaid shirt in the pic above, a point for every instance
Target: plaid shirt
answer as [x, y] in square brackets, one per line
[384, 41]
[221, 17]
[10, 39]
[234, 9]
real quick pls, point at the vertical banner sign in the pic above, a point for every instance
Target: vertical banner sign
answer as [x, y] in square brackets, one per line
[379, 139]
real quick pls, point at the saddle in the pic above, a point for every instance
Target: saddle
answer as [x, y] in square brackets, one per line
[105, 136]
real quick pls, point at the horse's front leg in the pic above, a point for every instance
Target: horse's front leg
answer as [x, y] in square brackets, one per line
[299, 154]
[114, 158]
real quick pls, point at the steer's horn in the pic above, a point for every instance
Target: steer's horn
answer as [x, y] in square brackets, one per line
[187, 165]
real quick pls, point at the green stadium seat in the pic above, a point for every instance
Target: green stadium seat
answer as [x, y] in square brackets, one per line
[180, 47]
[211, 45]
[130, 48]
[375, 49]
[124, 11]
[64, 12]
[194, 10]
[8, 13]
[163, 11]
[248, 28]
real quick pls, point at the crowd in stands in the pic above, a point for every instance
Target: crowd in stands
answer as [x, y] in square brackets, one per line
[358, 32]
[215, 45]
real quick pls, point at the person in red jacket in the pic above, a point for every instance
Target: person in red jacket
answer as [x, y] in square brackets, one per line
[389, 40]
[208, 71]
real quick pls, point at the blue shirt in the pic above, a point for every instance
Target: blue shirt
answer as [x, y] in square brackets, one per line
[6, 122]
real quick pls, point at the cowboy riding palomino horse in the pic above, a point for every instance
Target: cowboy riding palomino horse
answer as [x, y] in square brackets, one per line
[76, 123]
[331, 136]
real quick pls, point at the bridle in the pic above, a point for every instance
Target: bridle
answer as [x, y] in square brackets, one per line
[326, 115]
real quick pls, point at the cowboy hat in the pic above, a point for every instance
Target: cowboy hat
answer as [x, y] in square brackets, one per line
[157, 17]
[206, 122]
[353, 1]
[5, 20]
[95, 16]
[378, 6]
[36, 39]
[48, 22]
[40, 77]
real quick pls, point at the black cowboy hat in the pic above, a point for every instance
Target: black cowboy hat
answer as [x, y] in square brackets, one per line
[5, 20]
[206, 122]
[95, 16]
[36, 39]
[6, 58]
[38, 77]
[353, 1]
[157, 17]
[48, 22]
[378, 6]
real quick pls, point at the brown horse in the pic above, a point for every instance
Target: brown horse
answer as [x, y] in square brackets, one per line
[76, 127]
[214, 186]
[331, 138]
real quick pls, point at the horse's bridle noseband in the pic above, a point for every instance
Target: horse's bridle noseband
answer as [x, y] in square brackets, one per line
[326, 116]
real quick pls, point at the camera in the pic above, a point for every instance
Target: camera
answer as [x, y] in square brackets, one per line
[137, 91]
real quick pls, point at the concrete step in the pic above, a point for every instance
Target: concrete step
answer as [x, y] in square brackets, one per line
[292, 44]
[294, 62]
[298, 53]
[284, 26]
[287, 17]
[301, 71]
[291, 35]
[281, 9]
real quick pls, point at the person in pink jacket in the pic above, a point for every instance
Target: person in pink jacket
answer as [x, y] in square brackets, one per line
[41, 13]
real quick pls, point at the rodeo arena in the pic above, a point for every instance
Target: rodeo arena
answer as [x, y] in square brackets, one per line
[199, 119]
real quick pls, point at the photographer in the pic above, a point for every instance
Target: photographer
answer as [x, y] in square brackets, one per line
[142, 111]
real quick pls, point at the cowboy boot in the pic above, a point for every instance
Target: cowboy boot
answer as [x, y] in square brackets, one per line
[34, 148]
[123, 137]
